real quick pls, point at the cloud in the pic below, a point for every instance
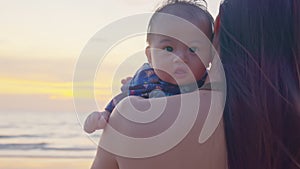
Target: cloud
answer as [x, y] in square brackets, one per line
[33, 103]
[4, 41]
[37, 69]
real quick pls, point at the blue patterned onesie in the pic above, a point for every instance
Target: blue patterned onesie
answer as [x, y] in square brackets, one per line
[146, 83]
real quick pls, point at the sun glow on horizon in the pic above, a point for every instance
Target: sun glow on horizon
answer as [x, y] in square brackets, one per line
[54, 90]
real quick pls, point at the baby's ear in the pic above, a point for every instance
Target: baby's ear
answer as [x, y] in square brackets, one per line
[148, 54]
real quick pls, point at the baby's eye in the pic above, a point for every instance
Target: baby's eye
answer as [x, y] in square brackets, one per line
[193, 49]
[168, 48]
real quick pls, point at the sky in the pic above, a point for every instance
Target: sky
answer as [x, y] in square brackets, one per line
[40, 42]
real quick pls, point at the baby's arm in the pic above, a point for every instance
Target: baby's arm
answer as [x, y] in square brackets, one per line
[95, 121]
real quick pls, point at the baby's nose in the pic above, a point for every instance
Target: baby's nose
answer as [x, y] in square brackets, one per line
[180, 56]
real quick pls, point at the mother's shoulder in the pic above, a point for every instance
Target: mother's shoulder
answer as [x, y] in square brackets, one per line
[167, 128]
[190, 113]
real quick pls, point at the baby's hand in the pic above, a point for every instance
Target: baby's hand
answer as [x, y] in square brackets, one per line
[95, 121]
[126, 80]
[125, 84]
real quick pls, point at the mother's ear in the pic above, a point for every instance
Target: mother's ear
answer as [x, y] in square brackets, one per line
[148, 54]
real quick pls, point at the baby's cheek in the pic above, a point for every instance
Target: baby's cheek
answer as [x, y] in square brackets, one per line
[165, 76]
[161, 64]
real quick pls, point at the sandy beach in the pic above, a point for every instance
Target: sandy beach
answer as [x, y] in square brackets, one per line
[44, 163]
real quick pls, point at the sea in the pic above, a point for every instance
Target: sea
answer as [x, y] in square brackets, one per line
[49, 135]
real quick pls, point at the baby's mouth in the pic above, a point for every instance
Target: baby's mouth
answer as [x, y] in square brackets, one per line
[180, 73]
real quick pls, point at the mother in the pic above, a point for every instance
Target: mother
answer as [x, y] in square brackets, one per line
[259, 45]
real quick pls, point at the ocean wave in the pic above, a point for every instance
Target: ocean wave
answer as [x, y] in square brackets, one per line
[22, 136]
[4, 126]
[42, 146]
[46, 135]
[30, 146]
[69, 148]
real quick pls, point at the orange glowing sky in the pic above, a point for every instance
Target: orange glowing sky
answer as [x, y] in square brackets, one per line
[40, 42]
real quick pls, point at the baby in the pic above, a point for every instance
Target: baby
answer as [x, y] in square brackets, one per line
[173, 52]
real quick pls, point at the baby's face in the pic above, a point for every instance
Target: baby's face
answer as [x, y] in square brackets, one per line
[179, 51]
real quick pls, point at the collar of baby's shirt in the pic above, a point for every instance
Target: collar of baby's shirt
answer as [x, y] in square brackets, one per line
[169, 87]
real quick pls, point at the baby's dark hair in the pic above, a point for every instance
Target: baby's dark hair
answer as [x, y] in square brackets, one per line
[189, 9]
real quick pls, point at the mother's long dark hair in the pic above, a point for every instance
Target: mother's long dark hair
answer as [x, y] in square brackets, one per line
[260, 52]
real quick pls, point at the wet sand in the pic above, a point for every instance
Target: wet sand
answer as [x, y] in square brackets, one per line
[44, 163]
